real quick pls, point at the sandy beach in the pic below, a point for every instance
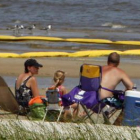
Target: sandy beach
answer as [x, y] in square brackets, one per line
[15, 66]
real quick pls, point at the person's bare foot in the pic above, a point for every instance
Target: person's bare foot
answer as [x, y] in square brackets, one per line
[82, 114]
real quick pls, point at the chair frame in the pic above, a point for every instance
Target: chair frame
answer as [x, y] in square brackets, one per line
[90, 112]
[55, 102]
[12, 107]
[99, 104]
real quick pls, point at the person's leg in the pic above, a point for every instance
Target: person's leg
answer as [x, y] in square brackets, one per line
[75, 108]
[67, 113]
[71, 112]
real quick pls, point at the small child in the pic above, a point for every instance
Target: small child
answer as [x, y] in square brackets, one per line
[59, 77]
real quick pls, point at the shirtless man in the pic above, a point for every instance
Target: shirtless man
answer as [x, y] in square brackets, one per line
[112, 76]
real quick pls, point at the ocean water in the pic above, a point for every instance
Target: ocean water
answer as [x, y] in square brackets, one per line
[103, 19]
[73, 14]
[111, 19]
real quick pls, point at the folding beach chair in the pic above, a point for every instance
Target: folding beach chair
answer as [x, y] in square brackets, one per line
[53, 109]
[86, 93]
[111, 108]
[7, 100]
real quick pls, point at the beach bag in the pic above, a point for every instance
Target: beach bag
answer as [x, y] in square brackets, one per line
[37, 111]
[37, 107]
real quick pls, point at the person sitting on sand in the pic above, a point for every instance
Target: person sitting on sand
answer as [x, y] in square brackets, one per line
[59, 77]
[112, 76]
[26, 86]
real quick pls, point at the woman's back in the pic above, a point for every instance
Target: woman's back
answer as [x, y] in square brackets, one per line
[26, 85]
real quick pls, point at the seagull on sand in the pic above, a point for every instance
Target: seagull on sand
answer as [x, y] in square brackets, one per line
[17, 29]
[21, 27]
[32, 27]
[47, 28]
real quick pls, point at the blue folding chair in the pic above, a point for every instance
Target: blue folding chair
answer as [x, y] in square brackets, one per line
[53, 109]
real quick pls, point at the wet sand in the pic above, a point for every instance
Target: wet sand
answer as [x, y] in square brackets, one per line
[15, 66]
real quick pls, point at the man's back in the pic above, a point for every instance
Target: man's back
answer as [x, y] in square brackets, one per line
[111, 77]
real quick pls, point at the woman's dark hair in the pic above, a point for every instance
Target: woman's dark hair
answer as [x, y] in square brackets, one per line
[26, 69]
[31, 62]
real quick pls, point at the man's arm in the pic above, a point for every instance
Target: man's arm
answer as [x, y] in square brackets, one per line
[126, 81]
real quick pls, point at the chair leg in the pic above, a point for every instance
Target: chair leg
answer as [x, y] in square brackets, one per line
[60, 114]
[71, 111]
[45, 115]
[27, 115]
[89, 116]
[105, 118]
[90, 113]
[98, 113]
[119, 119]
[17, 115]
[19, 110]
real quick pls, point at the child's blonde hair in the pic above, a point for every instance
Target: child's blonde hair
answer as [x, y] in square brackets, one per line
[59, 77]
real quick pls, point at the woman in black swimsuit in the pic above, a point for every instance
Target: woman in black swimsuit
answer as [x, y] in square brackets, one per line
[26, 85]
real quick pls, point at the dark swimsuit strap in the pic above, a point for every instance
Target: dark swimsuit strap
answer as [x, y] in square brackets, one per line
[24, 82]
